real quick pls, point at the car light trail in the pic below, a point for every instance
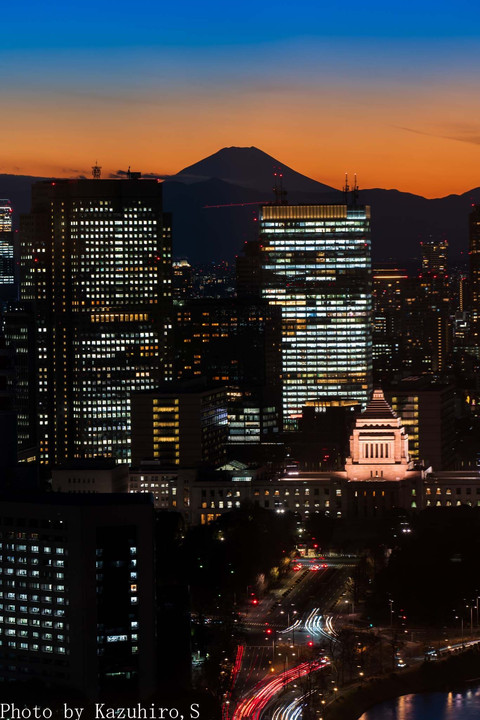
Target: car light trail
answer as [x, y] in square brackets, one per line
[316, 626]
[263, 693]
[295, 625]
[237, 665]
[329, 626]
[292, 710]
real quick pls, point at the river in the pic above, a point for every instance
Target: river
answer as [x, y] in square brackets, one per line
[463, 705]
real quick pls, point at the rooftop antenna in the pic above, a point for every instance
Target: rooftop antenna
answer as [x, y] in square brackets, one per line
[96, 171]
[346, 188]
[131, 175]
[279, 192]
[355, 191]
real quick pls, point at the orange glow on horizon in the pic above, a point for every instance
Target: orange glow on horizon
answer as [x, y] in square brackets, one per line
[412, 142]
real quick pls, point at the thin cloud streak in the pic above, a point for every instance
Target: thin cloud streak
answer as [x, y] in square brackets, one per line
[474, 140]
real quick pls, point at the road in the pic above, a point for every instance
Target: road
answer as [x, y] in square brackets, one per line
[285, 632]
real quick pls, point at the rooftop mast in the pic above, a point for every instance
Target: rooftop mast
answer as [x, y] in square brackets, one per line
[96, 171]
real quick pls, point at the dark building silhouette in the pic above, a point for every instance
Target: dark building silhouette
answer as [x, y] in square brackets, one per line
[389, 285]
[427, 409]
[182, 281]
[181, 424]
[249, 270]
[8, 420]
[21, 339]
[474, 256]
[322, 440]
[235, 343]
[426, 325]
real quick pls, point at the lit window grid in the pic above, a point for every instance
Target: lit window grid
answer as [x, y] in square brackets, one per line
[326, 336]
[119, 261]
[33, 607]
[109, 366]
[6, 261]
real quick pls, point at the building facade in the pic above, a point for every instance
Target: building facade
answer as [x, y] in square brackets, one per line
[95, 265]
[474, 259]
[99, 475]
[78, 589]
[388, 307]
[427, 409]
[316, 267]
[181, 424]
[7, 261]
[21, 338]
[236, 344]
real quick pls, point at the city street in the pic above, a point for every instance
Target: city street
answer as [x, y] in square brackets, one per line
[288, 635]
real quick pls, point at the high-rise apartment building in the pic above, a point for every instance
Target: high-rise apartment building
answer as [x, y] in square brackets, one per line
[96, 264]
[316, 266]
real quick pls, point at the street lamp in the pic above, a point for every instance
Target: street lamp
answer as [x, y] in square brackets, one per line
[391, 613]
[457, 617]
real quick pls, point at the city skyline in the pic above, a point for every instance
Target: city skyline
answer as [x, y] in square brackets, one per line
[240, 424]
[390, 95]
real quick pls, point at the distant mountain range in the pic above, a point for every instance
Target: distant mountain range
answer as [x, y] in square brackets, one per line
[214, 207]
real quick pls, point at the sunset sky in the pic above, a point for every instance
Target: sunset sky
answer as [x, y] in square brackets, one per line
[388, 90]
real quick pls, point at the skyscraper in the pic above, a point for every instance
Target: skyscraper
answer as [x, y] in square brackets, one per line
[7, 264]
[474, 255]
[435, 257]
[316, 267]
[236, 344]
[388, 287]
[95, 263]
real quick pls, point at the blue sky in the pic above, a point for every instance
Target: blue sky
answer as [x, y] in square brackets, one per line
[89, 77]
[107, 24]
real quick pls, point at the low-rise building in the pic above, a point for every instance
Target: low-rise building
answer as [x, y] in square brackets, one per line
[96, 475]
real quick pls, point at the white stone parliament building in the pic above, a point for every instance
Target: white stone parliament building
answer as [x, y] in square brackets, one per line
[378, 477]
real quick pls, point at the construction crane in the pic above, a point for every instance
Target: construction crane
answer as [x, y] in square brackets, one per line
[259, 202]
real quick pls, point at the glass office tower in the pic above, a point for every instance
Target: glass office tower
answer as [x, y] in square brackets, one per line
[316, 266]
[96, 268]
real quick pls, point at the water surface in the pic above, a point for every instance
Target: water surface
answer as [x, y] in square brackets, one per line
[463, 705]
